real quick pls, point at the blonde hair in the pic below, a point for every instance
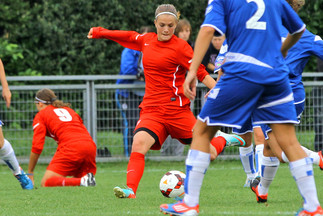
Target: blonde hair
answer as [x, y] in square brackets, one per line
[167, 9]
[296, 4]
[48, 97]
[180, 26]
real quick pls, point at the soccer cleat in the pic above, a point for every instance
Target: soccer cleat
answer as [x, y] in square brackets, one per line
[254, 187]
[24, 180]
[179, 208]
[231, 139]
[88, 180]
[302, 212]
[124, 193]
[321, 160]
[247, 183]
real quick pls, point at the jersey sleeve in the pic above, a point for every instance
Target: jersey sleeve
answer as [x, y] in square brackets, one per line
[39, 135]
[290, 19]
[129, 39]
[318, 47]
[185, 55]
[214, 17]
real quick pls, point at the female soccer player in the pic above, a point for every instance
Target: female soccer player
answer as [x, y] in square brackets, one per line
[255, 84]
[165, 110]
[76, 151]
[7, 153]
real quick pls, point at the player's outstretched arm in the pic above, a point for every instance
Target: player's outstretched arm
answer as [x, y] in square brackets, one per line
[6, 94]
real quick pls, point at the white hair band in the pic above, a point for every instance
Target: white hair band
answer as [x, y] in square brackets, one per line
[42, 101]
[169, 13]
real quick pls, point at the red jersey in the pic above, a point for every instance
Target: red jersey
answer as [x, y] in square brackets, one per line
[62, 124]
[165, 64]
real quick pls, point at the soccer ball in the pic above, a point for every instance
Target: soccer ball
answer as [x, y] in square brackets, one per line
[172, 184]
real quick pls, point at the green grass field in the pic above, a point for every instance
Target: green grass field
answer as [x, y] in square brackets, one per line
[222, 193]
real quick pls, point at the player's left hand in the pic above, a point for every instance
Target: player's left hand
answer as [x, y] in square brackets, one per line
[6, 94]
[90, 34]
[190, 85]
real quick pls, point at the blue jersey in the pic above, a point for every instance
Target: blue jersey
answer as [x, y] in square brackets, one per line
[128, 66]
[299, 54]
[252, 30]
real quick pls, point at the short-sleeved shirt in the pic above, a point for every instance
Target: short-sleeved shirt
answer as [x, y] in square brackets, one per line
[251, 31]
[64, 125]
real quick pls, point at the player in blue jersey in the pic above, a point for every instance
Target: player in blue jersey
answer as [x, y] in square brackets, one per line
[254, 85]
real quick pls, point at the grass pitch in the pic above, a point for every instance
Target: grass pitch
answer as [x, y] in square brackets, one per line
[222, 193]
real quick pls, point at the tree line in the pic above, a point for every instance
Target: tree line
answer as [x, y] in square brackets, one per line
[48, 37]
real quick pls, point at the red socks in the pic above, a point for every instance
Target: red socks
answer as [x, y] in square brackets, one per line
[58, 181]
[218, 143]
[135, 170]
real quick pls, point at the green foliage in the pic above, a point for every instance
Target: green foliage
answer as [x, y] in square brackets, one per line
[50, 35]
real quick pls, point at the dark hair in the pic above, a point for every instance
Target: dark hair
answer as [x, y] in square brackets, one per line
[181, 24]
[48, 96]
[167, 8]
[144, 29]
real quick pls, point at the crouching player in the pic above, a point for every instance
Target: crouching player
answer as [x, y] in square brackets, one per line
[76, 151]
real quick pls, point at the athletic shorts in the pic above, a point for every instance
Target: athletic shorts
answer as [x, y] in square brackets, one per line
[74, 159]
[162, 121]
[299, 103]
[233, 102]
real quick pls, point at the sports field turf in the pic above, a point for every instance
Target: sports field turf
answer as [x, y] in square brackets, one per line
[222, 193]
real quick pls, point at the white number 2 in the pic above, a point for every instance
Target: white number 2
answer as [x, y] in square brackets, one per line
[253, 22]
[63, 114]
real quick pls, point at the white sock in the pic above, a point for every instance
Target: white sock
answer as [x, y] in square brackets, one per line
[302, 171]
[269, 168]
[8, 155]
[247, 160]
[284, 158]
[313, 155]
[258, 158]
[197, 163]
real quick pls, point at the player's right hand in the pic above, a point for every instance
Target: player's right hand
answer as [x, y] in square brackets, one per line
[190, 85]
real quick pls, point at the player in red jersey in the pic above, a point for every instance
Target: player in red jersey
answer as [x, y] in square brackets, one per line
[165, 110]
[76, 151]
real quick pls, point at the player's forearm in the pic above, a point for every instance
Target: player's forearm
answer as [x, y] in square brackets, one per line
[290, 41]
[209, 81]
[202, 43]
[32, 162]
[3, 78]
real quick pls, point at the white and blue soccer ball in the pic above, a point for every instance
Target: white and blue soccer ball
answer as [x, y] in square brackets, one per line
[172, 184]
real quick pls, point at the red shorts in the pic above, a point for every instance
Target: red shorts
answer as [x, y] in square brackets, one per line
[161, 121]
[74, 159]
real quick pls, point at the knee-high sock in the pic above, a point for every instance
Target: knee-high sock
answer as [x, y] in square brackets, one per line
[269, 168]
[302, 171]
[135, 170]
[218, 143]
[8, 155]
[197, 163]
[58, 181]
[313, 155]
[258, 158]
[247, 160]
